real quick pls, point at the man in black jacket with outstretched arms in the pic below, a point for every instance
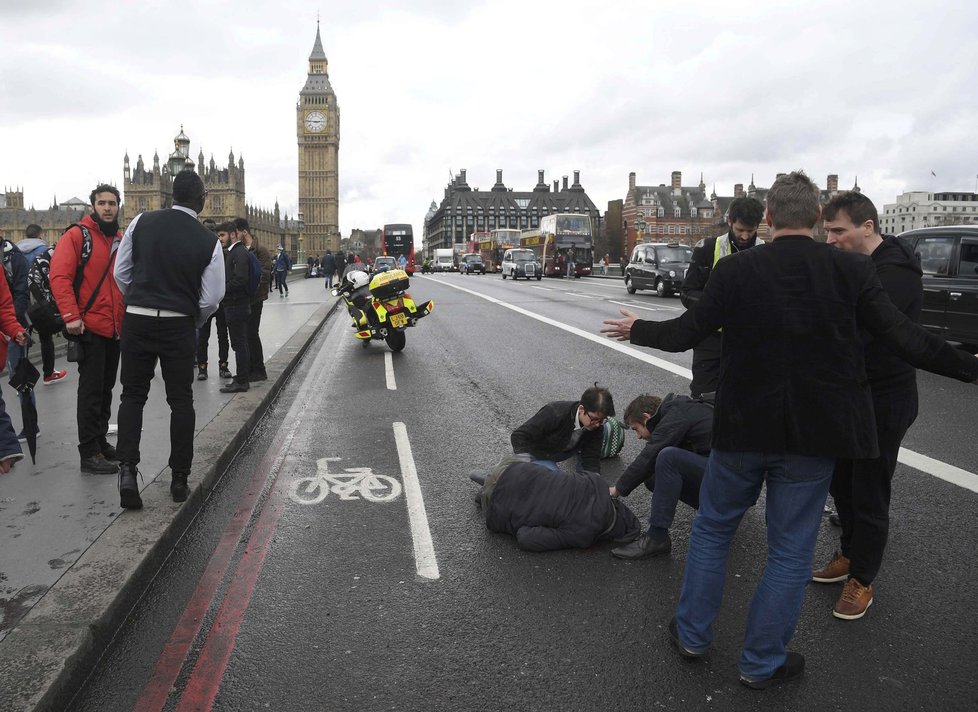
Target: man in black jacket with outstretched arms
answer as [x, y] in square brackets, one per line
[793, 398]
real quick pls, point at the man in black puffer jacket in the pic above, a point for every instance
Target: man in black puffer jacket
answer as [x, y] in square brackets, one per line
[677, 431]
[547, 510]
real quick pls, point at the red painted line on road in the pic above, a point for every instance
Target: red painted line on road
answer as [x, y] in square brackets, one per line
[157, 691]
[205, 680]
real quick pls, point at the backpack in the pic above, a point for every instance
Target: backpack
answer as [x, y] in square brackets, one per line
[612, 438]
[254, 273]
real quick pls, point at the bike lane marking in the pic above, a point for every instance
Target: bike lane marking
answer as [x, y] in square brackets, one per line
[155, 695]
[425, 562]
[928, 465]
[389, 371]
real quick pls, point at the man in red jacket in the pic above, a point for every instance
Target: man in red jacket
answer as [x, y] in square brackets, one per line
[93, 315]
[10, 450]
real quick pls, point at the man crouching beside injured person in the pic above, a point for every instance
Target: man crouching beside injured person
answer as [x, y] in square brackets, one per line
[547, 510]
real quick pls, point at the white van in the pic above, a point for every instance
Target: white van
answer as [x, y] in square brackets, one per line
[520, 262]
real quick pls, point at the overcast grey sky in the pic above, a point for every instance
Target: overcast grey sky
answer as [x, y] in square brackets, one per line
[882, 90]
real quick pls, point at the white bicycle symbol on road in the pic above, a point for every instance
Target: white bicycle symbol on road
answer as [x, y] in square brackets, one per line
[353, 483]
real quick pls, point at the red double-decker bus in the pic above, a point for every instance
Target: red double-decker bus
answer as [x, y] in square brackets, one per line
[399, 240]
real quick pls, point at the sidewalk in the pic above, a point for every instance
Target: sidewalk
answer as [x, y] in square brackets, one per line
[70, 559]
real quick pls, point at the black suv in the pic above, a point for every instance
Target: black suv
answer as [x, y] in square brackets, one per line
[658, 266]
[949, 259]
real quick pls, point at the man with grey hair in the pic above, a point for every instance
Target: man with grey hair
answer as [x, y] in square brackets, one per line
[792, 316]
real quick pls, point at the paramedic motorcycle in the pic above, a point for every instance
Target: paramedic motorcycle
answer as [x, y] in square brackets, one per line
[381, 307]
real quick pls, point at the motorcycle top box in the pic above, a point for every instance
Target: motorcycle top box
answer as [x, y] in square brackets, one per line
[390, 284]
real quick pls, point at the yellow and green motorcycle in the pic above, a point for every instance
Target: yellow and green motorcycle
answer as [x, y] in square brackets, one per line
[381, 307]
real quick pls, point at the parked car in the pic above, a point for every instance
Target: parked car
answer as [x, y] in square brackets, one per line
[470, 263]
[949, 259]
[658, 266]
[518, 262]
[384, 263]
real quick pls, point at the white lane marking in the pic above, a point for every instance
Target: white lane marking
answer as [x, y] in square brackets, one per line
[638, 306]
[614, 345]
[928, 465]
[941, 470]
[582, 296]
[546, 289]
[389, 371]
[424, 550]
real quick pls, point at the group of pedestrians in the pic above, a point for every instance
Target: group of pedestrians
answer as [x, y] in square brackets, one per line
[803, 381]
[146, 297]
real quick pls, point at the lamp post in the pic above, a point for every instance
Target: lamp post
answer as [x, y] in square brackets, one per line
[300, 257]
[640, 226]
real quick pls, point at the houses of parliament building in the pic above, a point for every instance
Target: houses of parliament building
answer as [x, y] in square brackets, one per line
[311, 232]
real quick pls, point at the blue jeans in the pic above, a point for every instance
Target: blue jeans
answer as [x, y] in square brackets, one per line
[560, 457]
[678, 477]
[797, 487]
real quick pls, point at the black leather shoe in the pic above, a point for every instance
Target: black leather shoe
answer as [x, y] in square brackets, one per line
[98, 465]
[178, 487]
[109, 453]
[794, 666]
[258, 376]
[128, 489]
[235, 387]
[643, 547]
[683, 650]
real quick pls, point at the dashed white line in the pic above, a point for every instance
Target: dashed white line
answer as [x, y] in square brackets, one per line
[389, 371]
[940, 470]
[425, 562]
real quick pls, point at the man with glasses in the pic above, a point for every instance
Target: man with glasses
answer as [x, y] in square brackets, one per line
[562, 429]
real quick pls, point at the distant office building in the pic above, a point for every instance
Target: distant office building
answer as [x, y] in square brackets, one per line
[920, 209]
[463, 210]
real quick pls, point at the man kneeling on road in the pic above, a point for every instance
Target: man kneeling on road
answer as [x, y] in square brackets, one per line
[562, 429]
[546, 509]
[678, 431]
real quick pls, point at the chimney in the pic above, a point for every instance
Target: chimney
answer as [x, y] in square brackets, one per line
[556, 186]
[577, 178]
[499, 175]
[462, 174]
[677, 179]
[565, 183]
[631, 180]
[832, 183]
[540, 177]
[738, 190]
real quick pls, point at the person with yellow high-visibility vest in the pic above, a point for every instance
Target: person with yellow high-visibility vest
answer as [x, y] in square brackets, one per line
[743, 217]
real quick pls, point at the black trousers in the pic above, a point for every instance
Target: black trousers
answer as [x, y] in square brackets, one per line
[96, 379]
[256, 353]
[861, 488]
[237, 318]
[204, 337]
[47, 353]
[171, 341]
[280, 281]
[706, 366]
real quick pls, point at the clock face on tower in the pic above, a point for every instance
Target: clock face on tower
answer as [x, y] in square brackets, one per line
[315, 121]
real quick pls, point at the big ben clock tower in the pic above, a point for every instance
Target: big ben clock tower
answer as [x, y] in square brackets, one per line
[318, 131]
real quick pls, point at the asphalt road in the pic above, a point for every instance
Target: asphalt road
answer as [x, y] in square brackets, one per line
[388, 593]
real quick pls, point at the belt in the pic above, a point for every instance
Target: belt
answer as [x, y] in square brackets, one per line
[145, 311]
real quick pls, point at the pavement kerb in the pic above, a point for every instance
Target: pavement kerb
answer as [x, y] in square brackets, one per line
[53, 649]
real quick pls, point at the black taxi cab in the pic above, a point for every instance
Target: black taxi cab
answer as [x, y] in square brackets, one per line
[658, 266]
[949, 260]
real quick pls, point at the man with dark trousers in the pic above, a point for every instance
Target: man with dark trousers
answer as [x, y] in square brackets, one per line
[237, 305]
[563, 429]
[216, 319]
[171, 273]
[92, 309]
[255, 351]
[793, 398]
[861, 487]
[743, 217]
[677, 431]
